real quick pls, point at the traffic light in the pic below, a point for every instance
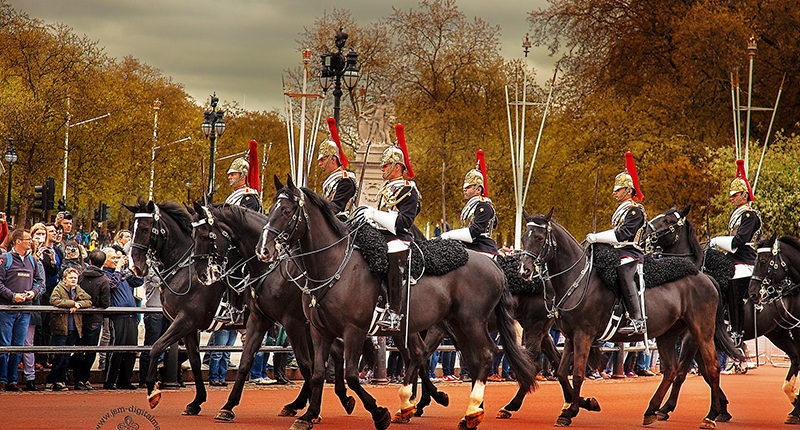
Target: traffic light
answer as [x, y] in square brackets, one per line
[97, 215]
[62, 205]
[50, 187]
[103, 212]
[39, 197]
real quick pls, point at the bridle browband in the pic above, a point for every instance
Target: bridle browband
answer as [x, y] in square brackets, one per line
[299, 214]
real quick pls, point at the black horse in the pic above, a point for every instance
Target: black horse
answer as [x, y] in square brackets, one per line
[673, 233]
[163, 233]
[584, 305]
[341, 301]
[776, 278]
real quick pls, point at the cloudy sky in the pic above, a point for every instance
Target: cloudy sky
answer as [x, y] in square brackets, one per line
[238, 48]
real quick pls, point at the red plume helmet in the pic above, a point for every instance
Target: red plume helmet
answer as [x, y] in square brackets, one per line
[481, 164]
[630, 166]
[740, 174]
[401, 142]
[335, 137]
[253, 176]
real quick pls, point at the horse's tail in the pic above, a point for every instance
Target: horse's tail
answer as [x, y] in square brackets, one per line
[519, 359]
[722, 340]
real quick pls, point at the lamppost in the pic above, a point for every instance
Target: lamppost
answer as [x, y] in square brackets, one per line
[335, 67]
[11, 158]
[212, 126]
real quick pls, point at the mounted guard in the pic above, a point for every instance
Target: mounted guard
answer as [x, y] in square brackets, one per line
[242, 172]
[340, 186]
[744, 228]
[628, 223]
[478, 216]
[398, 206]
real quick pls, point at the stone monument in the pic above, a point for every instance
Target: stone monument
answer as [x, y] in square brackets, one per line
[375, 131]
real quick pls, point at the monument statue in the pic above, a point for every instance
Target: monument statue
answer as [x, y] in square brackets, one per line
[376, 132]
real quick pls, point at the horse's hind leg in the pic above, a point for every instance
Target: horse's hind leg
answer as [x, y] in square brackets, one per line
[478, 350]
[353, 345]
[256, 327]
[783, 340]
[702, 329]
[669, 365]
[322, 347]
[581, 343]
[300, 339]
[534, 336]
[688, 353]
[415, 362]
[192, 342]
[337, 355]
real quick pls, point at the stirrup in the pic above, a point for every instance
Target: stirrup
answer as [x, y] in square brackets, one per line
[636, 326]
[390, 321]
[737, 337]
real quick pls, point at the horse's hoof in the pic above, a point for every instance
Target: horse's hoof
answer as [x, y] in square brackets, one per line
[403, 416]
[317, 420]
[723, 417]
[662, 416]
[191, 410]
[224, 415]
[382, 418]
[299, 424]
[503, 414]
[154, 398]
[349, 404]
[708, 424]
[441, 398]
[471, 421]
[792, 419]
[287, 412]
[420, 411]
[563, 422]
[592, 405]
[649, 419]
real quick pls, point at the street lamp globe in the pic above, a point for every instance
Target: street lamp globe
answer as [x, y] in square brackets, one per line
[219, 126]
[11, 152]
[206, 127]
[351, 78]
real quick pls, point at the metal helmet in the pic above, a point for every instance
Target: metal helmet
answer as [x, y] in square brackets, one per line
[328, 148]
[240, 165]
[740, 184]
[392, 155]
[629, 178]
[623, 180]
[477, 176]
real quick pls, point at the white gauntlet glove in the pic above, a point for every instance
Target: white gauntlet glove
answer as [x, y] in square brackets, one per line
[385, 220]
[461, 234]
[607, 236]
[723, 242]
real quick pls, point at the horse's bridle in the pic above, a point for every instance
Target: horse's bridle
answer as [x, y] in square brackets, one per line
[774, 286]
[299, 214]
[215, 262]
[160, 233]
[544, 255]
[652, 238]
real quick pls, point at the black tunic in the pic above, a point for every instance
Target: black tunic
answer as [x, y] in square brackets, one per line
[482, 221]
[744, 230]
[401, 197]
[627, 222]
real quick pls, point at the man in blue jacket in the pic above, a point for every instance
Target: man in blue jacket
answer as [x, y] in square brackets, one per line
[20, 282]
[123, 326]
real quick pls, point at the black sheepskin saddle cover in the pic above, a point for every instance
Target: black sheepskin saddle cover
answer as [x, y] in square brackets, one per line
[719, 266]
[656, 272]
[438, 256]
[370, 243]
[516, 284]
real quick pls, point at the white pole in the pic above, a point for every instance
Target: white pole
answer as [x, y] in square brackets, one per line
[511, 143]
[290, 125]
[769, 130]
[301, 154]
[739, 114]
[747, 125]
[153, 153]
[66, 153]
[313, 141]
[539, 136]
[520, 164]
[735, 127]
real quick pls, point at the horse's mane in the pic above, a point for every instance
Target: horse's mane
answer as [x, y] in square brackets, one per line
[694, 245]
[542, 220]
[791, 241]
[240, 212]
[328, 211]
[179, 214]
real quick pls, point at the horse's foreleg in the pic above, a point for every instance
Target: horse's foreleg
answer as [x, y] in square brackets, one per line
[688, 354]
[353, 345]
[581, 343]
[300, 338]
[563, 371]
[702, 329]
[414, 366]
[322, 347]
[478, 350]
[669, 364]
[192, 342]
[176, 330]
[256, 327]
[433, 338]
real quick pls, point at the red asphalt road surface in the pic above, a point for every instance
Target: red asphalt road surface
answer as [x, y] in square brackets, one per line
[756, 402]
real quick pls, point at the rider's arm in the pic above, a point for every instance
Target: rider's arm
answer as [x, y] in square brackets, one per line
[748, 227]
[633, 222]
[345, 190]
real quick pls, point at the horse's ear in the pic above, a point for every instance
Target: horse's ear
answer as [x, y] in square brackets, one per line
[198, 208]
[549, 215]
[289, 182]
[526, 215]
[130, 208]
[151, 206]
[278, 184]
[773, 238]
[188, 208]
[685, 211]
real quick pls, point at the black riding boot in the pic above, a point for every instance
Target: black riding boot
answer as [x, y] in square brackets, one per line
[736, 308]
[279, 362]
[396, 280]
[627, 287]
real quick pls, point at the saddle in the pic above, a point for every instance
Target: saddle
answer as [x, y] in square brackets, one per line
[656, 272]
[438, 256]
[717, 265]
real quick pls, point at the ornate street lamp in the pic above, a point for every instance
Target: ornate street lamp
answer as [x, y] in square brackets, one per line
[11, 158]
[337, 67]
[212, 127]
